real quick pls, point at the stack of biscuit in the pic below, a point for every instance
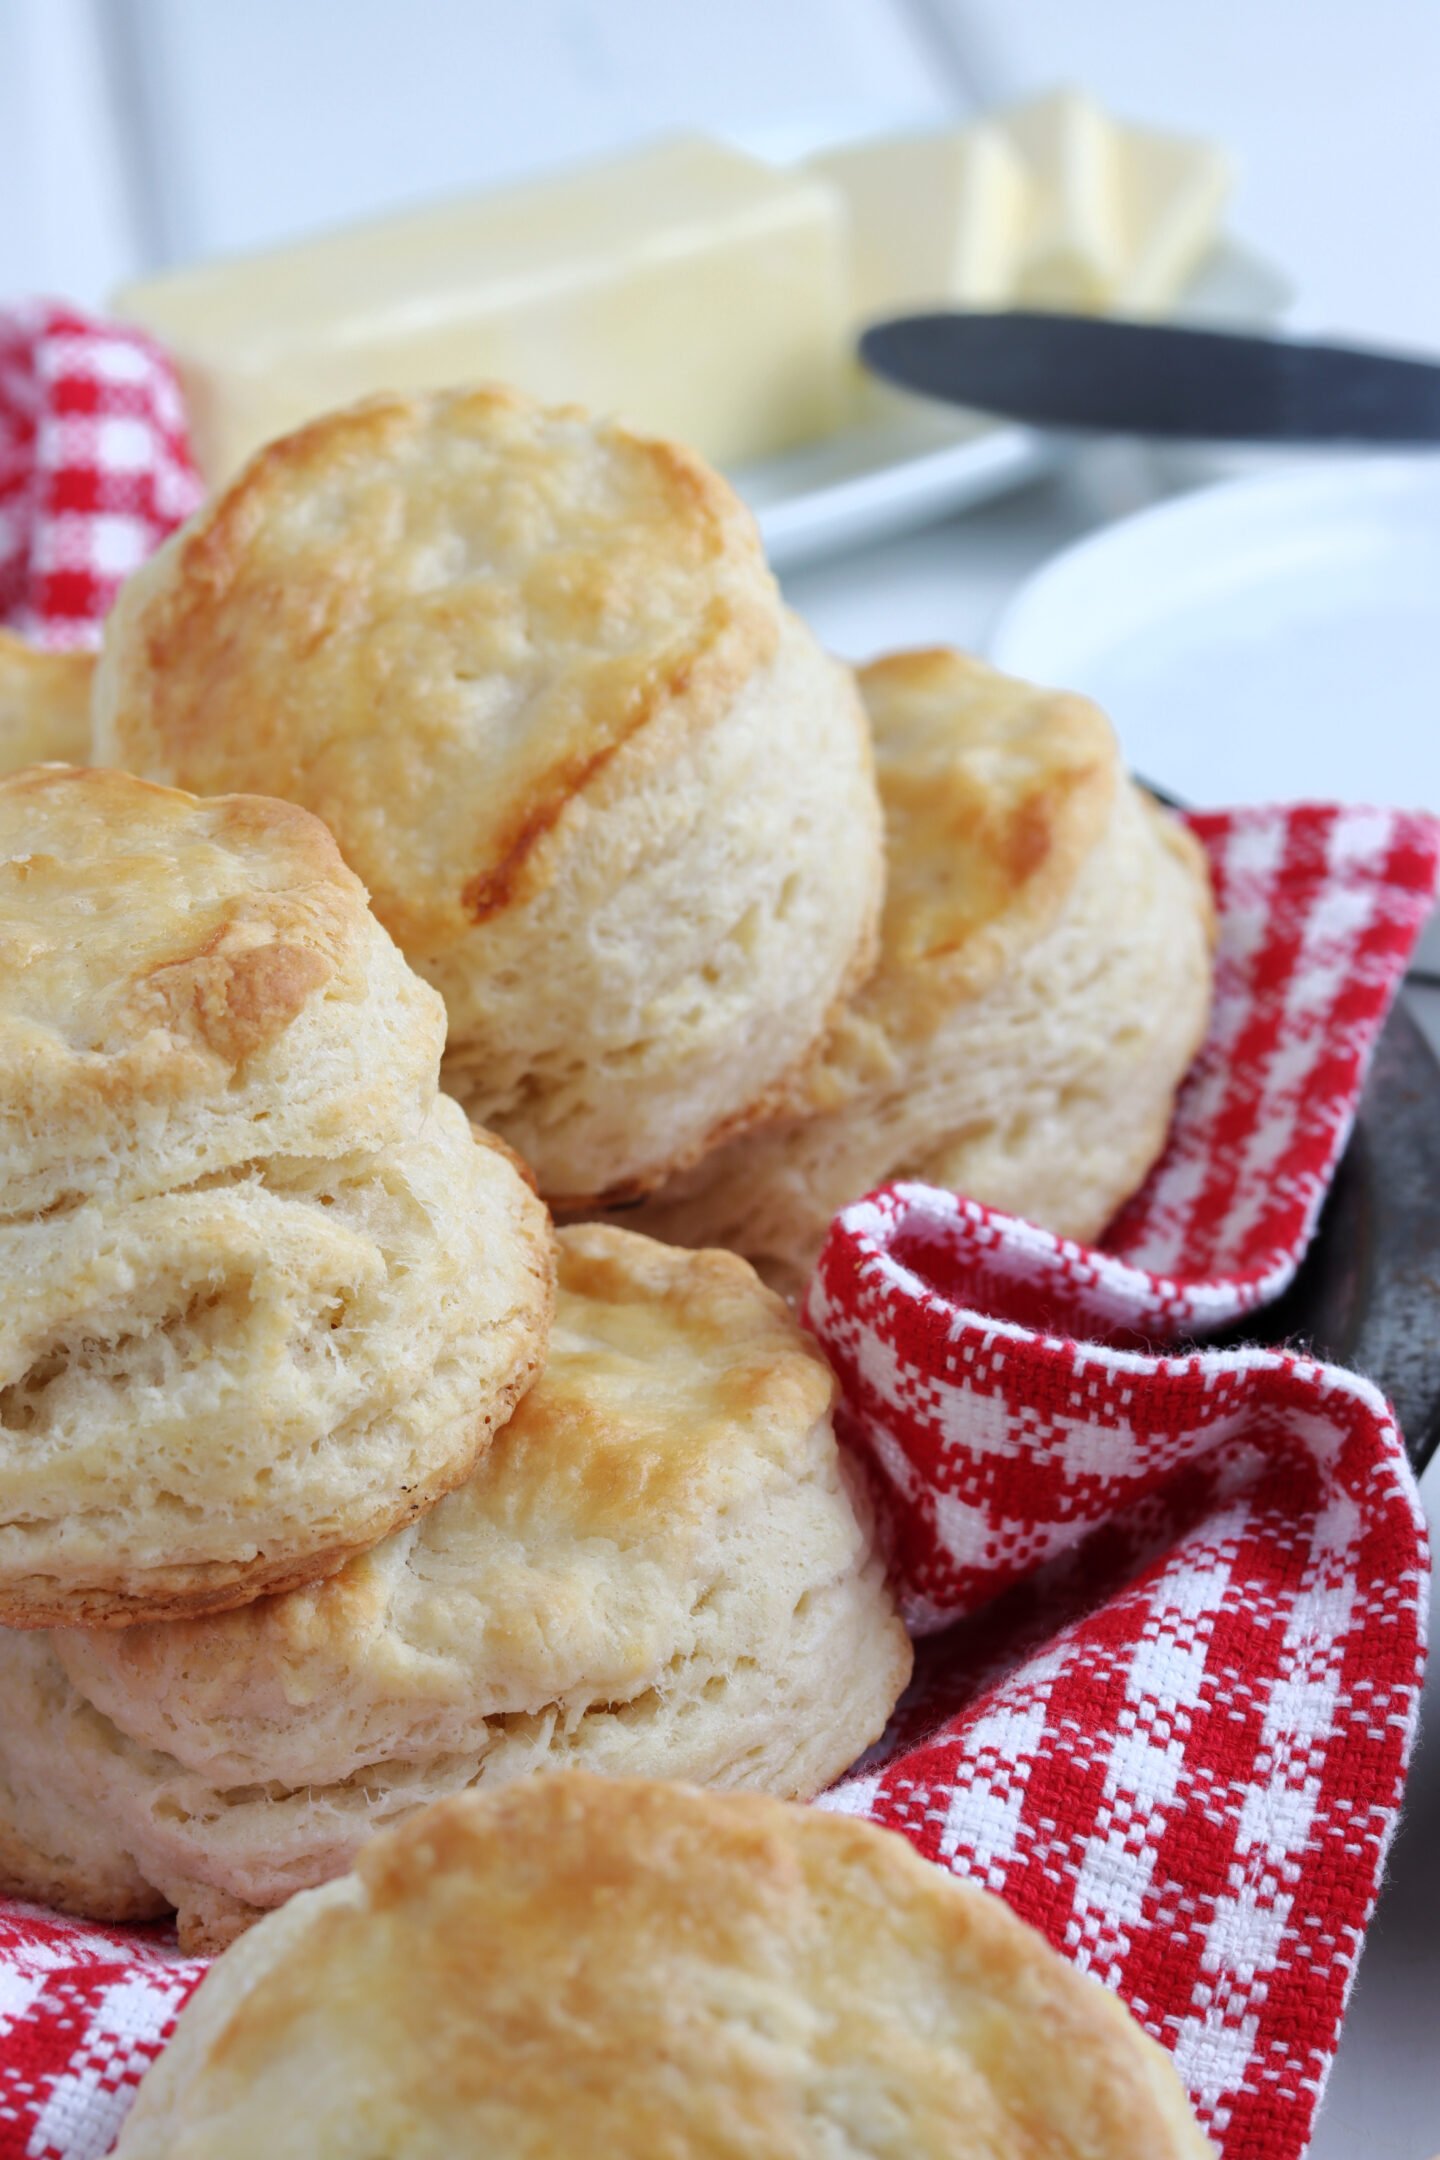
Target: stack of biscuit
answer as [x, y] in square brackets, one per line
[277, 1562]
[267, 1296]
[657, 1568]
[310, 1513]
[612, 800]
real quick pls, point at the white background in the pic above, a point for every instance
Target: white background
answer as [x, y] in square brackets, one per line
[135, 133]
[142, 131]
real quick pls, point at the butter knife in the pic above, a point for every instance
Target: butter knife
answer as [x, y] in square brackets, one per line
[1160, 379]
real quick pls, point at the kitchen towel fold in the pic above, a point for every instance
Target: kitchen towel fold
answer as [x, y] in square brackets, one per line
[1177, 1741]
[1174, 1605]
[1318, 910]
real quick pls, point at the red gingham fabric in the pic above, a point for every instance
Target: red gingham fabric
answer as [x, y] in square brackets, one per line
[1178, 1746]
[94, 468]
[1319, 909]
[1173, 1607]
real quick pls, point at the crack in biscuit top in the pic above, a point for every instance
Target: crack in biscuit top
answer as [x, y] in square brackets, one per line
[433, 621]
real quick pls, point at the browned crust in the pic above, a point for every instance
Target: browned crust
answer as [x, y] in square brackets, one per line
[26, 1872]
[178, 1592]
[189, 1593]
[207, 1921]
[679, 1867]
[712, 1287]
[238, 1002]
[234, 998]
[1033, 840]
[492, 890]
[242, 816]
[189, 668]
[701, 686]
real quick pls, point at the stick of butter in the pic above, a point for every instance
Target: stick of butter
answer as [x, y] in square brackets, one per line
[1121, 216]
[695, 290]
[1174, 193]
[934, 219]
[1076, 250]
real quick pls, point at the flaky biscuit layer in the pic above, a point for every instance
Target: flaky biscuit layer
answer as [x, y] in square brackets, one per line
[229, 1389]
[266, 1294]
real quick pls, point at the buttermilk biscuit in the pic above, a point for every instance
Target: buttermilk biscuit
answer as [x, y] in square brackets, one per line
[266, 1293]
[658, 1567]
[1044, 983]
[607, 794]
[642, 1969]
[188, 986]
[44, 705]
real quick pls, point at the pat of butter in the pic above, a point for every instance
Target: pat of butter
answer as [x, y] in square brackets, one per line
[935, 219]
[693, 290]
[1076, 250]
[1174, 194]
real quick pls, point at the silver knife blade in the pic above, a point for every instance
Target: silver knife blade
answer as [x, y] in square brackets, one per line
[1092, 372]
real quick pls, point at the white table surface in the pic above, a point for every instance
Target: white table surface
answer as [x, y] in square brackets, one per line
[948, 585]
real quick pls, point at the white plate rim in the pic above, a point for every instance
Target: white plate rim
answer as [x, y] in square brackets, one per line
[1241, 511]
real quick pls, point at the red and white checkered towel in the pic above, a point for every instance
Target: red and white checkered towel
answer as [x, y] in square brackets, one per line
[94, 468]
[1174, 1607]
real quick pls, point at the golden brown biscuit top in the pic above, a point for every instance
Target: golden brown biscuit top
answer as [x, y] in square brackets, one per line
[185, 985]
[994, 793]
[44, 704]
[676, 1387]
[576, 1965]
[432, 621]
[129, 911]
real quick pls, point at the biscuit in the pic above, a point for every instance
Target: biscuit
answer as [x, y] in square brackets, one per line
[640, 1969]
[186, 987]
[658, 1567]
[54, 1852]
[266, 1295]
[1044, 983]
[44, 705]
[606, 793]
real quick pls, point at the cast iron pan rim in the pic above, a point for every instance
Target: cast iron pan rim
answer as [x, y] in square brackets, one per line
[1367, 1294]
